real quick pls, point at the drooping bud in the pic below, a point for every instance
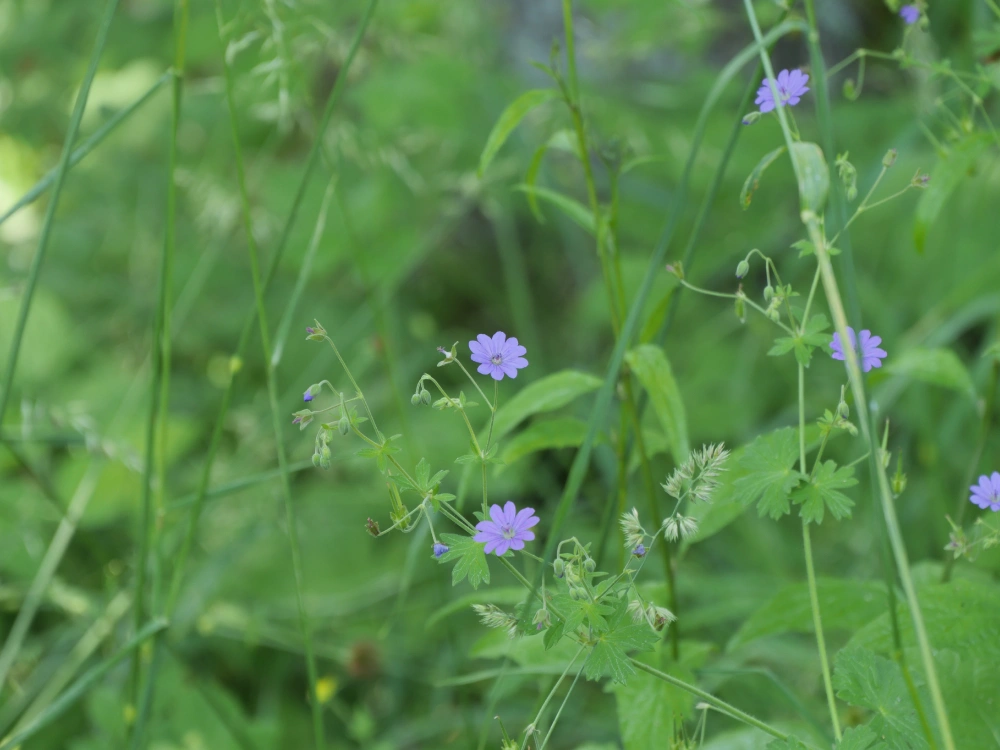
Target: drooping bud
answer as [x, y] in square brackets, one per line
[425, 396]
[742, 269]
[889, 159]
[415, 399]
[559, 568]
[344, 425]
[589, 565]
[750, 118]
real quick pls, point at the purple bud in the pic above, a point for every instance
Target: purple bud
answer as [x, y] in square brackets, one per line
[297, 420]
[640, 551]
[439, 549]
[538, 626]
[307, 396]
[310, 331]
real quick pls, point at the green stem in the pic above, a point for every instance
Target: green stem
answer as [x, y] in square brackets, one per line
[555, 719]
[832, 291]
[548, 698]
[824, 662]
[272, 391]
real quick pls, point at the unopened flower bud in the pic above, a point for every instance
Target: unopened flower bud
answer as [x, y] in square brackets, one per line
[677, 269]
[576, 594]
[843, 410]
[768, 293]
[750, 118]
[425, 396]
[344, 425]
[559, 568]
[889, 159]
[589, 565]
[415, 399]
[741, 308]
[316, 460]
[742, 269]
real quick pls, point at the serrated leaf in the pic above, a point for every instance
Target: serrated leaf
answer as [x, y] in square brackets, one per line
[548, 394]
[553, 634]
[865, 679]
[573, 209]
[509, 119]
[814, 175]
[770, 478]
[857, 738]
[782, 345]
[610, 653]
[823, 491]
[469, 557]
[422, 473]
[753, 179]
[949, 173]
[845, 605]
[940, 367]
[546, 435]
[652, 369]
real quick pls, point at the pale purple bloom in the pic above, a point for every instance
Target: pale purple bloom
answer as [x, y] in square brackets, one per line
[307, 396]
[910, 14]
[439, 549]
[871, 356]
[507, 530]
[791, 86]
[498, 356]
[640, 551]
[987, 492]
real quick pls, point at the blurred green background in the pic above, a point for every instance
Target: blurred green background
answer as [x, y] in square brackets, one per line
[416, 252]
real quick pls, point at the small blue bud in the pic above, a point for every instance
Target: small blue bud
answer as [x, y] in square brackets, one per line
[640, 551]
[439, 549]
[307, 396]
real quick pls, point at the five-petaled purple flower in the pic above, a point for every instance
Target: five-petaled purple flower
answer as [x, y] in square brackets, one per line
[871, 356]
[791, 86]
[439, 549]
[507, 530]
[910, 14]
[987, 492]
[498, 356]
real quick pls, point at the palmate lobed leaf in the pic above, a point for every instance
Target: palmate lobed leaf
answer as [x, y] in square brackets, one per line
[469, 557]
[823, 491]
[770, 477]
[609, 656]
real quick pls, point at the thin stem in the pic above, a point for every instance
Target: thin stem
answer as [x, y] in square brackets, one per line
[272, 391]
[857, 386]
[34, 271]
[562, 705]
[747, 300]
[548, 698]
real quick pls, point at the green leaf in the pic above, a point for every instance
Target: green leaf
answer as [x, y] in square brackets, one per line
[753, 179]
[845, 605]
[567, 432]
[823, 490]
[573, 209]
[864, 679]
[949, 173]
[770, 477]
[935, 366]
[563, 140]
[509, 119]
[814, 175]
[791, 743]
[609, 656]
[470, 560]
[651, 367]
[548, 394]
[857, 738]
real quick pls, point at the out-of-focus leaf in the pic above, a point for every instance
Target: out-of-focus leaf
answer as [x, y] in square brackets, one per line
[651, 367]
[947, 175]
[575, 210]
[539, 436]
[509, 119]
[469, 558]
[935, 366]
[770, 477]
[548, 394]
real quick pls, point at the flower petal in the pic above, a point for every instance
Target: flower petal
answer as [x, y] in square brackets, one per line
[486, 342]
[516, 544]
[526, 536]
[517, 362]
[509, 512]
[522, 516]
[995, 479]
[497, 514]
[493, 544]
[498, 341]
[502, 547]
[485, 368]
[783, 79]
[509, 370]
[478, 350]
[480, 358]
[497, 373]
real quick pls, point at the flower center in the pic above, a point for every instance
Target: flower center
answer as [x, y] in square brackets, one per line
[508, 531]
[496, 359]
[783, 92]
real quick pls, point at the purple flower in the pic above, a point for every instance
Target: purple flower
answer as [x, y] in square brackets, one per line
[307, 396]
[910, 14]
[871, 355]
[507, 530]
[640, 551]
[498, 356]
[987, 492]
[439, 549]
[791, 86]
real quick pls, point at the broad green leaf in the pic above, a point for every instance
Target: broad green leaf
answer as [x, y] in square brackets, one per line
[812, 336]
[935, 366]
[567, 432]
[844, 604]
[947, 175]
[857, 738]
[609, 656]
[509, 119]
[814, 175]
[965, 681]
[548, 394]
[753, 179]
[823, 491]
[770, 478]
[651, 367]
[865, 679]
[470, 560]
[575, 210]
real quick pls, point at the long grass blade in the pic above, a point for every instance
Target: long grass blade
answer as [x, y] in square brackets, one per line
[43, 238]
